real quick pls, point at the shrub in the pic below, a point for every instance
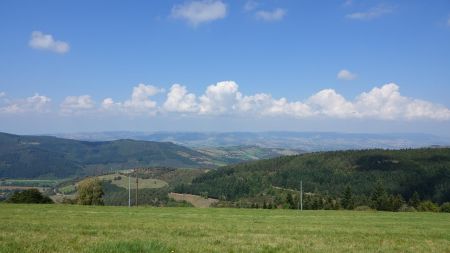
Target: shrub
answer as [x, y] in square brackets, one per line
[445, 208]
[30, 196]
[90, 192]
[406, 208]
[427, 206]
[68, 201]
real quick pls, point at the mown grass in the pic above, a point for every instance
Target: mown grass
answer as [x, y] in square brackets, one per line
[66, 228]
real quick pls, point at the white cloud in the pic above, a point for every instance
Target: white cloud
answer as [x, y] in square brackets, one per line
[43, 41]
[109, 104]
[250, 5]
[386, 102]
[329, 103]
[179, 100]
[36, 103]
[224, 98]
[2, 94]
[264, 105]
[140, 101]
[383, 102]
[373, 13]
[77, 104]
[220, 98]
[346, 75]
[275, 15]
[197, 12]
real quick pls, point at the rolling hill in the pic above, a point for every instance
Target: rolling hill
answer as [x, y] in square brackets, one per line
[402, 172]
[49, 157]
[43, 156]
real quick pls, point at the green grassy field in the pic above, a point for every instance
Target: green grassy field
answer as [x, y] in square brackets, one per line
[66, 228]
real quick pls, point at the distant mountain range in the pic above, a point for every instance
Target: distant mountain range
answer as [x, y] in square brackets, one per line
[304, 141]
[46, 156]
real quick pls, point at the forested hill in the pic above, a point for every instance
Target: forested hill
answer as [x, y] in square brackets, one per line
[403, 172]
[43, 156]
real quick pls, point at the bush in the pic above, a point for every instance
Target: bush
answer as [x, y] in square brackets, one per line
[406, 208]
[90, 192]
[363, 208]
[31, 196]
[68, 201]
[445, 208]
[427, 206]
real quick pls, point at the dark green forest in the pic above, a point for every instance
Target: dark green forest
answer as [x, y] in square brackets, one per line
[381, 179]
[47, 157]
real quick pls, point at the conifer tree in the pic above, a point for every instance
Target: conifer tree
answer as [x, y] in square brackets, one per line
[414, 201]
[347, 199]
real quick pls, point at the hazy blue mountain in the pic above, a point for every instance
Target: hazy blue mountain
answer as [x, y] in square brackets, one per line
[307, 141]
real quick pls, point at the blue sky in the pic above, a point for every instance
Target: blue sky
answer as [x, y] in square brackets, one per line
[350, 66]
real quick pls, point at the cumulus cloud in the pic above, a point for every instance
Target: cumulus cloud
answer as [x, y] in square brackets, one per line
[224, 98]
[43, 41]
[346, 75]
[198, 12]
[372, 13]
[109, 104]
[77, 104]
[385, 102]
[179, 100]
[36, 103]
[275, 15]
[263, 104]
[140, 101]
[220, 98]
[329, 103]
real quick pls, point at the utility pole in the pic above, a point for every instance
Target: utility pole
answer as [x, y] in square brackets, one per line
[301, 195]
[137, 188]
[129, 189]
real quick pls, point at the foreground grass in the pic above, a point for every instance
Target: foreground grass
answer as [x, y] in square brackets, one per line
[66, 228]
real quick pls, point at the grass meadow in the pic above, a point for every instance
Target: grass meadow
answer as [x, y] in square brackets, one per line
[73, 228]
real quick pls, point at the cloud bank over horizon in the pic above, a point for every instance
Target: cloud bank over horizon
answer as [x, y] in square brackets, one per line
[225, 99]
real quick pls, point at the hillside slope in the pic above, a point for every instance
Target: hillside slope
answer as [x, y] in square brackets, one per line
[43, 156]
[426, 171]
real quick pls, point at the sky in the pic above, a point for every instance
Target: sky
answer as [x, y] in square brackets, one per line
[222, 65]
